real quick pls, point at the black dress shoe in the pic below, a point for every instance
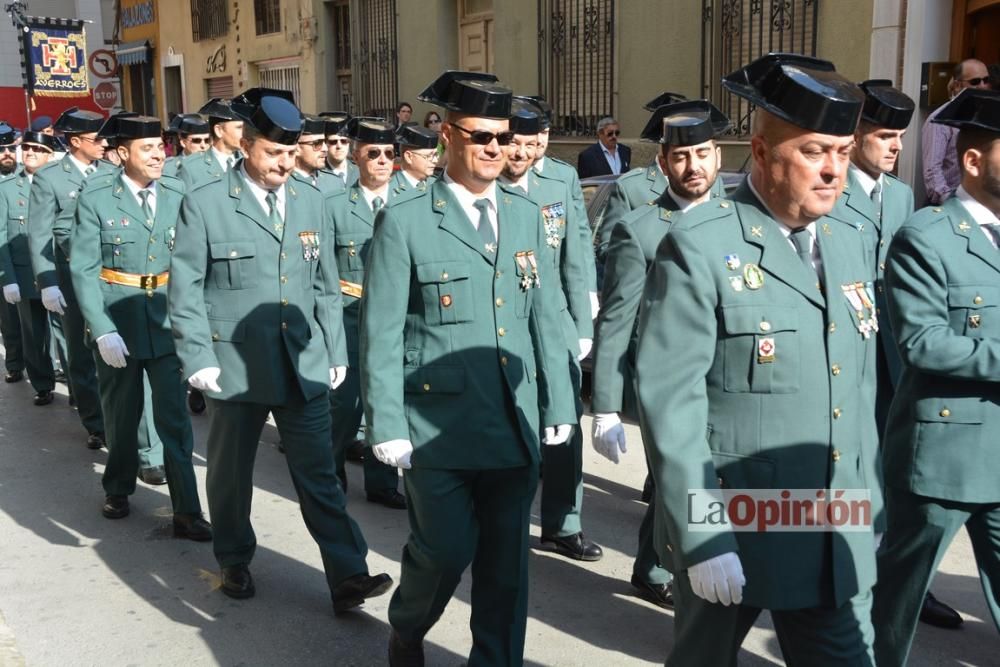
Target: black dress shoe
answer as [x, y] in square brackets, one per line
[402, 654]
[96, 441]
[237, 582]
[196, 402]
[44, 397]
[59, 375]
[658, 594]
[574, 546]
[353, 591]
[390, 498]
[154, 475]
[13, 376]
[115, 507]
[193, 527]
[936, 613]
[355, 451]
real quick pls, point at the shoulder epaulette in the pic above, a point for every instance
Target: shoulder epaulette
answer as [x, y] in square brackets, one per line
[512, 190]
[172, 183]
[209, 179]
[99, 182]
[714, 209]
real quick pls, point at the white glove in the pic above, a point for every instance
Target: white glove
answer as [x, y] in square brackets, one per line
[207, 379]
[557, 435]
[608, 436]
[719, 579]
[337, 376]
[12, 293]
[53, 300]
[112, 349]
[595, 305]
[878, 540]
[586, 345]
[395, 453]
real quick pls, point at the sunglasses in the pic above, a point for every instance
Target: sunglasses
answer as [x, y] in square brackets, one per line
[430, 156]
[433, 121]
[33, 148]
[8, 149]
[337, 142]
[374, 153]
[977, 81]
[484, 138]
[198, 141]
[315, 145]
[612, 133]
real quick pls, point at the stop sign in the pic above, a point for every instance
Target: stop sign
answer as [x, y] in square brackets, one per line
[105, 95]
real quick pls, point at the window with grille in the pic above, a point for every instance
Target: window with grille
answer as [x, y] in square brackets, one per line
[736, 32]
[281, 76]
[342, 36]
[209, 19]
[267, 16]
[576, 65]
[377, 87]
[220, 86]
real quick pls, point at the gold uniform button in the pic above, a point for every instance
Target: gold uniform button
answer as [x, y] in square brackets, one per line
[284, 256]
[835, 369]
[724, 204]
[151, 258]
[503, 361]
[284, 326]
[284, 302]
[232, 253]
[945, 413]
[352, 253]
[499, 274]
[501, 331]
[499, 302]
[881, 266]
[836, 456]
[765, 326]
[215, 336]
[284, 279]
[118, 239]
[444, 276]
[833, 327]
[836, 413]
[978, 300]
[427, 387]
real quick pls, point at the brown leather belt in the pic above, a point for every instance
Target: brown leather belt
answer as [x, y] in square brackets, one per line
[142, 281]
[351, 289]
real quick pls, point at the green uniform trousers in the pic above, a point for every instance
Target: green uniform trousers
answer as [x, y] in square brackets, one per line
[150, 444]
[122, 397]
[35, 341]
[304, 429]
[347, 411]
[646, 566]
[458, 517]
[80, 368]
[10, 331]
[710, 635]
[920, 531]
[562, 488]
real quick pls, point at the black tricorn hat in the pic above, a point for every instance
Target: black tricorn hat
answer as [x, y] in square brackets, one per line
[138, 127]
[886, 106]
[662, 99]
[414, 135]
[313, 124]
[474, 93]
[686, 123]
[187, 123]
[41, 139]
[370, 131]
[78, 121]
[524, 117]
[275, 116]
[972, 109]
[801, 90]
[109, 130]
[542, 108]
[336, 121]
[8, 134]
[218, 109]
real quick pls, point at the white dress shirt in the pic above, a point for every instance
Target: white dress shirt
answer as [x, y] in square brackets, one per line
[260, 194]
[134, 188]
[467, 201]
[982, 215]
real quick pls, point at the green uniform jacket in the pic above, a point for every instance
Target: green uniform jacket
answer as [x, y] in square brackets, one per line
[197, 168]
[943, 279]
[566, 236]
[897, 207]
[758, 388]
[453, 347]
[15, 256]
[352, 174]
[51, 212]
[565, 172]
[399, 185]
[324, 180]
[112, 232]
[630, 254]
[244, 298]
[171, 164]
[632, 190]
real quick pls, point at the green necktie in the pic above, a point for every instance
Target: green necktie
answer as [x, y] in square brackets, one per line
[877, 200]
[147, 210]
[800, 239]
[273, 216]
[377, 204]
[485, 228]
[230, 161]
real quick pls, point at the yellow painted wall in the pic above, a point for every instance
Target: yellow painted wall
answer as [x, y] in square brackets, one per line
[148, 31]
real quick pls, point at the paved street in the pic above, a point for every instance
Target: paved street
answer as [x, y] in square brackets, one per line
[77, 589]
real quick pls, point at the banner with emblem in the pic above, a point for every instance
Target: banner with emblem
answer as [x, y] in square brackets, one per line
[54, 53]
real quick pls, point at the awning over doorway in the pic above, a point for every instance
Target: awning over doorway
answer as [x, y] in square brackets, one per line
[133, 53]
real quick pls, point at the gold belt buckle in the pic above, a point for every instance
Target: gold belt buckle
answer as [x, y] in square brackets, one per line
[148, 281]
